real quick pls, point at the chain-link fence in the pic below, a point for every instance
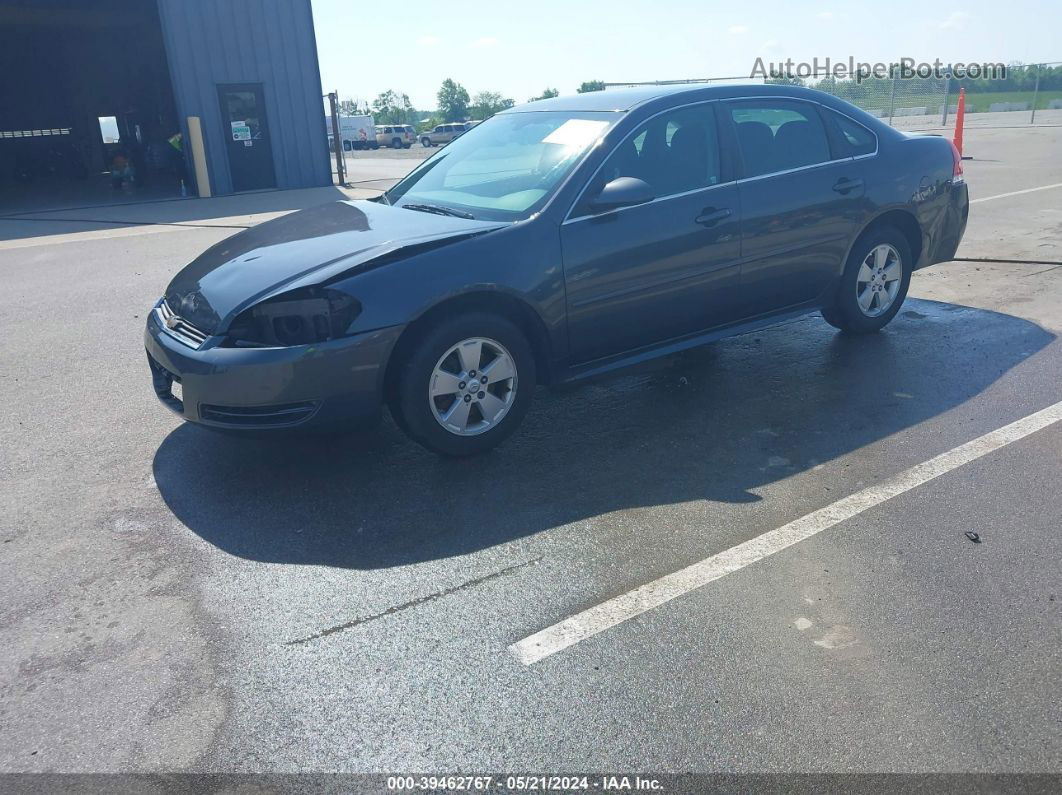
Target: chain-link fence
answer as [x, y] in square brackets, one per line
[1028, 94]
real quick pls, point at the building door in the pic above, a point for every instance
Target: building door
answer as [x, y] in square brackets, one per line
[246, 131]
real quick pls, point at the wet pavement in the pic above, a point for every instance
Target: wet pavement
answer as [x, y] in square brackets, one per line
[174, 599]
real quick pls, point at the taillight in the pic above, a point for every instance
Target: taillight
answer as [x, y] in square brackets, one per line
[956, 164]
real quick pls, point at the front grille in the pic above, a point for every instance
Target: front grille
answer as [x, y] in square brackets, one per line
[286, 414]
[179, 328]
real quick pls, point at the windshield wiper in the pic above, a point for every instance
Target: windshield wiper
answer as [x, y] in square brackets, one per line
[438, 209]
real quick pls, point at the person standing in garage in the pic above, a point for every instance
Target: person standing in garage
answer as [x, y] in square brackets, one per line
[176, 142]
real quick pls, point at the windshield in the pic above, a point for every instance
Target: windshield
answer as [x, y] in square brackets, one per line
[505, 168]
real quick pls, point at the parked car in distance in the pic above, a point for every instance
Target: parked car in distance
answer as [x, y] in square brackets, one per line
[443, 134]
[620, 226]
[396, 136]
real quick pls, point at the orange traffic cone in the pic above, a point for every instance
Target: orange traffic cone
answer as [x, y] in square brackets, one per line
[959, 116]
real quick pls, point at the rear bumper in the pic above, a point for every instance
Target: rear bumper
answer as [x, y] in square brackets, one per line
[333, 383]
[952, 225]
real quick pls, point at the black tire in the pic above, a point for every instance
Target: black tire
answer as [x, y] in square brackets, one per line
[375, 146]
[844, 312]
[406, 146]
[409, 400]
[396, 143]
[425, 142]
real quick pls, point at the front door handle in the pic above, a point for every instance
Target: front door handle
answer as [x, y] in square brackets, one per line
[844, 185]
[710, 216]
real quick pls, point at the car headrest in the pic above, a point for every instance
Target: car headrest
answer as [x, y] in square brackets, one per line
[798, 143]
[757, 145]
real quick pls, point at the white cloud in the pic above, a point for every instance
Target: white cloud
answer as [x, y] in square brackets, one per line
[825, 15]
[427, 41]
[485, 41]
[954, 21]
[737, 30]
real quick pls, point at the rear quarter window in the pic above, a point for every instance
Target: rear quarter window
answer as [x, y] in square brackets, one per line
[858, 139]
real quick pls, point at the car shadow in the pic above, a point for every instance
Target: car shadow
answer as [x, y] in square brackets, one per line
[230, 209]
[710, 425]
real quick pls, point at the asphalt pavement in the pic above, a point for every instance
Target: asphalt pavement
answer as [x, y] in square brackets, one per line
[178, 600]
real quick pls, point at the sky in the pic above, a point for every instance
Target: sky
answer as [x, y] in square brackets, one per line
[519, 49]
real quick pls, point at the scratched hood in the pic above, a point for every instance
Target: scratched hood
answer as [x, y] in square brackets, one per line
[305, 247]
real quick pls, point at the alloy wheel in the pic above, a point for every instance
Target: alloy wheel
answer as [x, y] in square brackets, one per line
[878, 281]
[472, 386]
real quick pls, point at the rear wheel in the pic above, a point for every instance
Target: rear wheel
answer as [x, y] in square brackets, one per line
[466, 385]
[396, 143]
[874, 283]
[425, 142]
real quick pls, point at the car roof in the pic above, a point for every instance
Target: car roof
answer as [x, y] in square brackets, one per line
[625, 99]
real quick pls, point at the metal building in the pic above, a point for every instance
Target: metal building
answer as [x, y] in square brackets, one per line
[95, 93]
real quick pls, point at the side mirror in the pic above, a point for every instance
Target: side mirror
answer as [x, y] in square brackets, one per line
[622, 192]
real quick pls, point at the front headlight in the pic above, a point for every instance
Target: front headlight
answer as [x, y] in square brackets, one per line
[301, 317]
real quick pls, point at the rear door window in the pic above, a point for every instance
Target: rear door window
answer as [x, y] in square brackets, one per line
[778, 135]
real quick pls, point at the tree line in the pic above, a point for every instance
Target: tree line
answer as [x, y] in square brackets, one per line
[454, 104]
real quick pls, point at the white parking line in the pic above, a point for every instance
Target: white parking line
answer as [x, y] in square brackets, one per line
[653, 594]
[1015, 193]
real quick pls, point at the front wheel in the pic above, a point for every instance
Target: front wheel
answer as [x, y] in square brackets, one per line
[425, 142]
[466, 385]
[874, 283]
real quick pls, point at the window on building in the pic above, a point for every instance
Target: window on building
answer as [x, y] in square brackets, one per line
[109, 130]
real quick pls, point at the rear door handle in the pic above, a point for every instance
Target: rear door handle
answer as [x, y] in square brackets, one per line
[844, 185]
[710, 216]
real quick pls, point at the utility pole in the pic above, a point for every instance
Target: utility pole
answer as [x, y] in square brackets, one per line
[1036, 94]
[337, 143]
[947, 96]
[892, 93]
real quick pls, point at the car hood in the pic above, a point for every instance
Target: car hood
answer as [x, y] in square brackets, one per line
[306, 247]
